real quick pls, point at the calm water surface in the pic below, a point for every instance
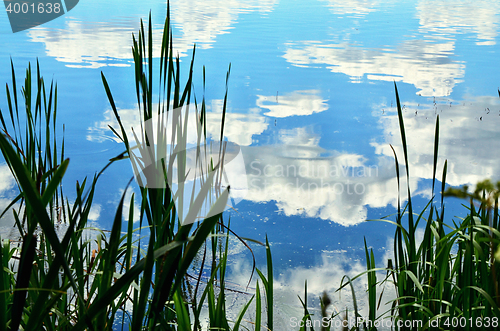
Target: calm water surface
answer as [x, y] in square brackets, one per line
[311, 102]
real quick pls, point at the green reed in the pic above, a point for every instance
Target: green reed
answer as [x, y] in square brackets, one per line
[79, 281]
[38, 169]
[449, 280]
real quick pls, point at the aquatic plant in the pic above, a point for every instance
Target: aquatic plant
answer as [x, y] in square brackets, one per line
[449, 280]
[79, 281]
[35, 279]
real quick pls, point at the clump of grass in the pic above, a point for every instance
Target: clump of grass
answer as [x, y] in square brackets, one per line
[79, 283]
[449, 280]
[35, 290]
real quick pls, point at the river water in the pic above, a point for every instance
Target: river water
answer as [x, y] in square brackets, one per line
[311, 103]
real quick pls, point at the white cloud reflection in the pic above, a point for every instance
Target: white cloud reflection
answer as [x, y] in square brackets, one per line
[85, 43]
[464, 128]
[200, 21]
[425, 61]
[94, 45]
[238, 128]
[297, 103]
[326, 275]
[302, 178]
[305, 179]
[299, 175]
[357, 7]
[7, 184]
[426, 65]
[445, 19]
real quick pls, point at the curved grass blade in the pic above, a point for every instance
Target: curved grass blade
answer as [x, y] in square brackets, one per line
[243, 310]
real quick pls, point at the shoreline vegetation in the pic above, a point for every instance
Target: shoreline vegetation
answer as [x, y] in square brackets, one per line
[137, 278]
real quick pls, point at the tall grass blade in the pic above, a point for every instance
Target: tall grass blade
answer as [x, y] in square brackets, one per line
[23, 277]
[372, 283]
[436, 146]
[258, 308]
[307, 315]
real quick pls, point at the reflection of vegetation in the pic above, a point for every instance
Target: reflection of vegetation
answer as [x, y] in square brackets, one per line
[77, 282]
[450, 279]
